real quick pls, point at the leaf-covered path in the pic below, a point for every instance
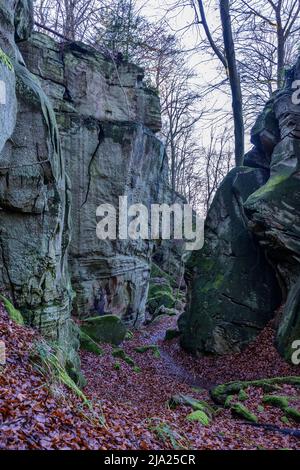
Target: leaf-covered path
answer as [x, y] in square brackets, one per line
[134, 398]
[141, 398]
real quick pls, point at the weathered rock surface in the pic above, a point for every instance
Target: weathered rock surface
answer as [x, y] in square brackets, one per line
[34, 201]
[107, 120]
[105, 329]
[274, 211]
[251, 257]
[233, 291]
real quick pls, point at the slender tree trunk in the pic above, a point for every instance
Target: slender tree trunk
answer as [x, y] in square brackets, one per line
[235, 84]
[280, 46]
[69, 24]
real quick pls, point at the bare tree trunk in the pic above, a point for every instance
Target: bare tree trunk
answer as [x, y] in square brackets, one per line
[69, 25]
[235, 84]
[280, 46]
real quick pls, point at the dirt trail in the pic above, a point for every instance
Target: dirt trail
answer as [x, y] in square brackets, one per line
[172, 365]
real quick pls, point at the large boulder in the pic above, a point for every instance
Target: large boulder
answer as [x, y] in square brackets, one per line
[274, 211]
[251, 258]
[105, 329]
[233, 291]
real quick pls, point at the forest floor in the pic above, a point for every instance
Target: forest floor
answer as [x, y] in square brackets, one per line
[133, 400]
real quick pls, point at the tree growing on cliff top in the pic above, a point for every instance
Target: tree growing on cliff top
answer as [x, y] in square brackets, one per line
[73, 19]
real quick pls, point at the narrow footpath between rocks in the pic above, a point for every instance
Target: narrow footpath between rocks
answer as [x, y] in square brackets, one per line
[132, 394]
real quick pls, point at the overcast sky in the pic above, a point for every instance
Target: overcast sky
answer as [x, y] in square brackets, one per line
[204, 67]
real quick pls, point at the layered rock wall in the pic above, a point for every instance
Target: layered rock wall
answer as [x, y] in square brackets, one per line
[250, 263]
[107, 122]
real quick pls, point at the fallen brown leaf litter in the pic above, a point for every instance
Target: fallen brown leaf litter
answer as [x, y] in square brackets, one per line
[135, 400]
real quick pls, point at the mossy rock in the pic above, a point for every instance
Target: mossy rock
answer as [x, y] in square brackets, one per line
[221, 392]
[171, 334]
[242, 396]
[242, 411]
[229, 400]
[150, 347]
[14, 314]
[121, 354]
[160, 290]
[277, 401]
[88, 344]
[105, 329]
[197, 405]
[160, 295]
[199, 416]
[293, 414]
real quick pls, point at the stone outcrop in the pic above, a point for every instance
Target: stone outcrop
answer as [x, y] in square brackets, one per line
[274, 212]
[233, 291]
[77, 130]
[107, 122]
[251, 258]
[34, 198]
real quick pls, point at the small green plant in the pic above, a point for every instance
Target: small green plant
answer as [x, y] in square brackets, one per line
[117, 365]
[167, 435]
[6, 60]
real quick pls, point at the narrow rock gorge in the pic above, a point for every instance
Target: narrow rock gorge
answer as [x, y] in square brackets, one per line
[79, 130]
[138, 343]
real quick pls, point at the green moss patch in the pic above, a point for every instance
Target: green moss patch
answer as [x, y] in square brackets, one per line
[14, 314]
[105, 329]
[171, 334]
[221, 392]
[199, 416]
[121, 354]
[88, 344]
[197, 405]
[293, 414]
[151, 347]
[241, 411]
[277, 401]
[242, 396]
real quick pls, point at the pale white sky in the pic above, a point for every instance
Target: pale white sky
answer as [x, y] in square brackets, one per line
[204, 66]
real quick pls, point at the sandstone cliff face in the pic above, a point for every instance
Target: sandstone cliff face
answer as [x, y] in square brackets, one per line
[77, 130]
[107, 122]
[250, 261]
[34, 197]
